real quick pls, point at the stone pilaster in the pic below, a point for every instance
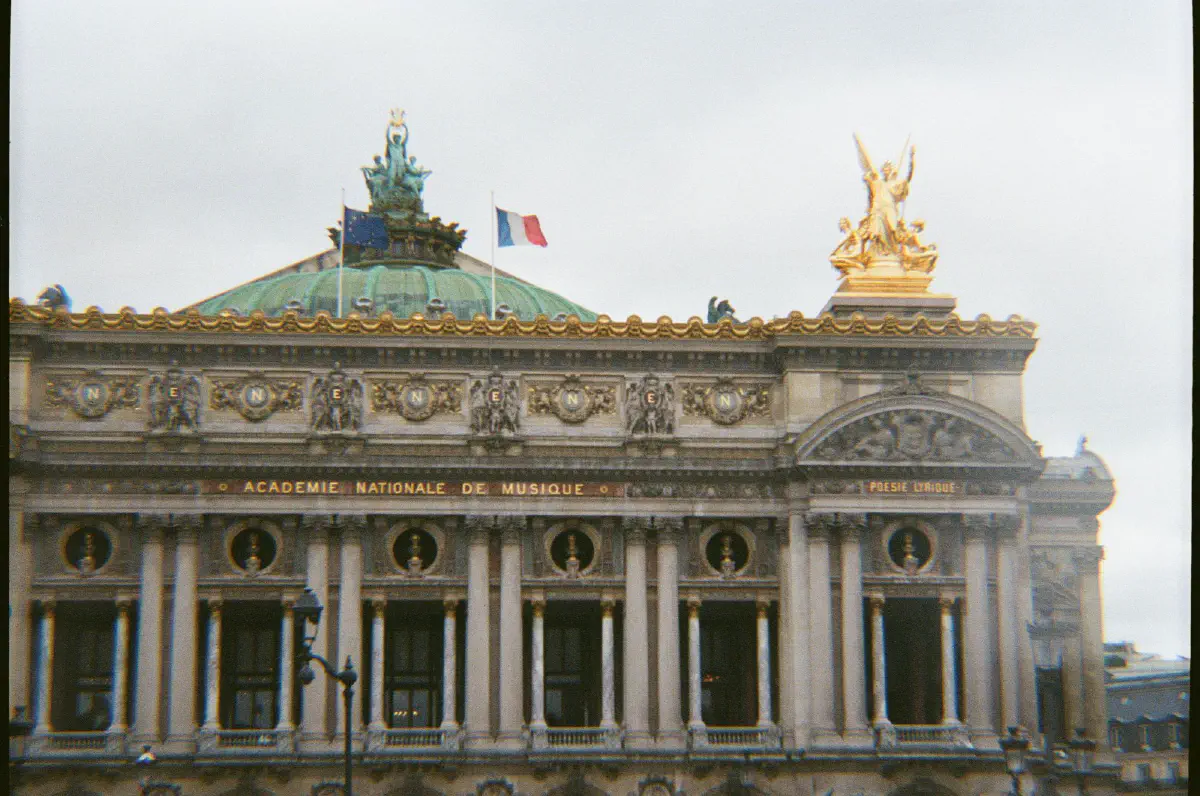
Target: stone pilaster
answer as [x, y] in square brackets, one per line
[820, 614]
[537, 673]
[878, 664]
[670, 722]
[949, 663]
[977, 635]
[512, 694]
[1006, 594]
[449, 665]
[181, 720]
[794, 616]
[608, 718]
[854, 679]
[350, 607]
[21, 526]
[636, 662]
[148, 687]
[478, 709]
[314, 717]
[1087, 568]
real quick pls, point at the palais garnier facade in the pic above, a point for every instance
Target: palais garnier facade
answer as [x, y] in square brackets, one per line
[565, 554]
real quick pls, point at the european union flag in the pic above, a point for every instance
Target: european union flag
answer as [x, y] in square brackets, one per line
[364, 229]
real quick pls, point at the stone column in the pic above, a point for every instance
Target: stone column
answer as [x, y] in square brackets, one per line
[978, 631]
[212, 668]
[181, 721]
[636, 662]
[313, 721]
[1072, 682]
[854, 677]
[45, 670]
[1006, 584]
[120, 687]
[820, 614]
[878, 663]
[795, 618]
[608, 694]
[478, 717]
[449, 664]
[670, 722]
[378, 609]
[21, 527]
[350, 611]
[764, 664]
[537, 668]
[695, 722]
[1087, 566]
[787, 717]
[512, 695]
[949, 663]
[287, 657]
[148, 686]
[1025, 654]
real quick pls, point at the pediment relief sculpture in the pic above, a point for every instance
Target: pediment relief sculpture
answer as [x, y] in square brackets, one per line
[256, 397]
[572, 401]
[417, 399]
[92, 395]
[913, 434]
[725, 402]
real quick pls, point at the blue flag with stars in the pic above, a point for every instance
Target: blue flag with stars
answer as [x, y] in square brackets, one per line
[364, 229]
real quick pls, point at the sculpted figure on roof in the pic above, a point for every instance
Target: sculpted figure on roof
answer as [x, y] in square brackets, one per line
[395, 181]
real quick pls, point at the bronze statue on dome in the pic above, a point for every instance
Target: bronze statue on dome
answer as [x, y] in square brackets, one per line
[395, 182]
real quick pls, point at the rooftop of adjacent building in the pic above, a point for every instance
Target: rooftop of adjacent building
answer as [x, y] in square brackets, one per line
[1145, 686]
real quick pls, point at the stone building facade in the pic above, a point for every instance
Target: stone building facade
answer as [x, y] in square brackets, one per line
[806, 555]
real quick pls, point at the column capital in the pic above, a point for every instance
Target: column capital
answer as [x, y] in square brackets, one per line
[151, 526]
[378, 606]
[761, 606]
[693, 605]
[977, 526]
[538, 604]
[352, 527]
[1087, 559]
[124, 605]
[668, 530]
[479, 528]
[820, 525]
[510, 529]
[48, 607]
[876, 600]
[607, 603]
[450, 606]
[289, 604]
[215, 604]
[187, 527]
[851, 526]
[316, 526]
[946, 602]
[635, 530]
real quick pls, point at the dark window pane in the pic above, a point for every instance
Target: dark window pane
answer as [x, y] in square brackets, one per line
[420, 651]
[553, 650]
[266, 650]
[242, 709]
[420, 708]
[572, 650]
[264, 710]
[400, 709]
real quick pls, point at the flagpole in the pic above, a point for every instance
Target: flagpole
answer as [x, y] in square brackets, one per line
[341, 254]
[493, 255]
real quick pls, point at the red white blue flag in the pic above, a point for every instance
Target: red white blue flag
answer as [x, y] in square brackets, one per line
[514, 229]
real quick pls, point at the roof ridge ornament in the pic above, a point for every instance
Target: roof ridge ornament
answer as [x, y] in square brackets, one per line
[883, 254]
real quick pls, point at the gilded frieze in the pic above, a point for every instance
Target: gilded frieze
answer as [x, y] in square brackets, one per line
[417, 398]
[92, 395]
[256, 397]
[387, 325]
[725, 402]
[571, 400]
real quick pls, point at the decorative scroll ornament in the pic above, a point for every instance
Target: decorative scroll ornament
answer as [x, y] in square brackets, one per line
[255, 397]
[913, 434]
[174, 401]
[649, 406]
[495, 406]
[572, 401]
[93, 395]
[336, 402]
[416, 399]
[725, 402]
[883, 252]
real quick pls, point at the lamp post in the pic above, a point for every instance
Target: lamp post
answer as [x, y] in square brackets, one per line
[145, 763]
[1015, 745]
[308, 609]
[1082, 748]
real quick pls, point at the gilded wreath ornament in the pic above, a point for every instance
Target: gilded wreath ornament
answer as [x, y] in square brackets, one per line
[256, 397]
[417, 398]
[725, 402]
[571, 400]
[92, 395]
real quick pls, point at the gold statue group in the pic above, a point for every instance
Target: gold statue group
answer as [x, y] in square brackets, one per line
[883, 245]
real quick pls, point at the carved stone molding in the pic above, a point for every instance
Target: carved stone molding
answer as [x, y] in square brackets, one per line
[914, 434]
[174, 401]
[336, 401]
[723, 490]
[821, 526]
[495, 406]
[851, 525]
[571, 401]
[255, 397]
[92, 394]
[635, 529]
[417, 398]
[725, 402]
[668, 529]
[1087, 559]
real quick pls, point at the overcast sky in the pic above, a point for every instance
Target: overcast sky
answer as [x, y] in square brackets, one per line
[163, 152]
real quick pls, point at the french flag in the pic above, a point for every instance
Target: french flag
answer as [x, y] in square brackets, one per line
[514, 229]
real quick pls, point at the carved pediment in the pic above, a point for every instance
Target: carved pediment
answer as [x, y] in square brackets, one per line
[913, 435]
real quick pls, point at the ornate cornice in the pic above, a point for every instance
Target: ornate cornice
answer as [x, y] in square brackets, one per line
[386, 324]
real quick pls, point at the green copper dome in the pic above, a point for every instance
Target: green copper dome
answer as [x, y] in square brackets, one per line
[402, 289]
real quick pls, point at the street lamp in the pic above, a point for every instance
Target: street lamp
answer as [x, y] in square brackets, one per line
[145, 763]
[19, 725]
[1015, 745]
[308, 609]
[1082, 748]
